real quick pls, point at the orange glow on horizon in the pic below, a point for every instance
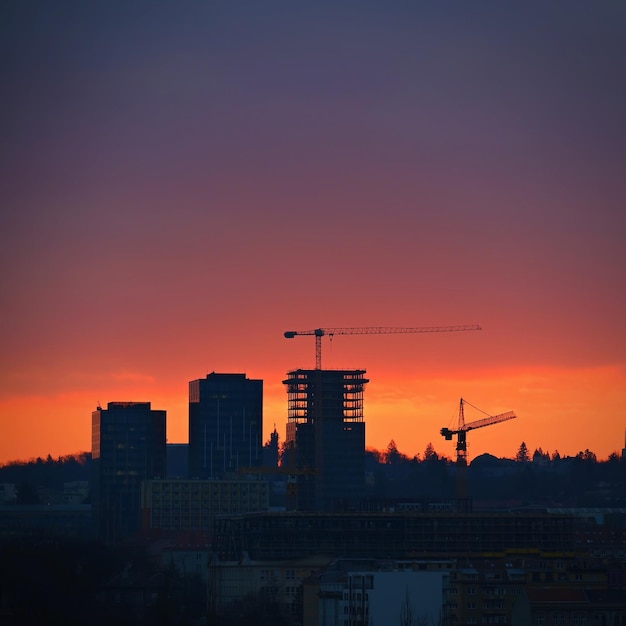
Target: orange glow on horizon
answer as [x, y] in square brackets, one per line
[176, 198]
[558, 409]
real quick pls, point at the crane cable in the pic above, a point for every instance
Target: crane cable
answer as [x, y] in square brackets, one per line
[453, 421]
[475, 407]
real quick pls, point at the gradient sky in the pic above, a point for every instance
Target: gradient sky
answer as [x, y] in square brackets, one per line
[181, 182]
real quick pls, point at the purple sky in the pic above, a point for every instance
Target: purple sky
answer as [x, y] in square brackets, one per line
[182, 182]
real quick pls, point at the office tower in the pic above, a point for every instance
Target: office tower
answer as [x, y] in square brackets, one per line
[326, 437]
[225, 424]
[127, 447]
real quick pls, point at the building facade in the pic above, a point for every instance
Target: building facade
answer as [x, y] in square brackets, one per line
[225, 424]
[326, 437]
[128, 446]
[390, 535]
[183, 505]
[376, 593]
[272, 580]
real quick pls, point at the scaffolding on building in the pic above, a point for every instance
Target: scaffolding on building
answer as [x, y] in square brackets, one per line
[326, 432]
[315, 395]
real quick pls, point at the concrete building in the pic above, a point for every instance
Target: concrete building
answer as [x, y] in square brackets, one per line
[8, 493]
[488, 593]
[376, 593]
[44, 521]
[277, 580]
[75, 492]
[399, 535]
[128, 446]
[225, 424]
[576, 607]
[326, 437]
[187, 560]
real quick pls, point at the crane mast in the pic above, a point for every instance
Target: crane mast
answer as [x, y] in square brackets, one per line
[461, 443]
[318, 333]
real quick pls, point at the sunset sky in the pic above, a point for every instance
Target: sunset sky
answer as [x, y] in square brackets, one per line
[182, 182]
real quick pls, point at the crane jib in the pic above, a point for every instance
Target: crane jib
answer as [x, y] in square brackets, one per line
[318, 333]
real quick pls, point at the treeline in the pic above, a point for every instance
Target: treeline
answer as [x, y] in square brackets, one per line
[391, 455]
[537, 479]
[30, 477]
[527, 478]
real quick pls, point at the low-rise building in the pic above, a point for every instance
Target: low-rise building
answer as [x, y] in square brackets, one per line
[279, 581]
[187, 560]
[75, 492]
[42, 520]
[397, 535]
[8, 493]
[486, 593]
[183, 505]
[371, 593]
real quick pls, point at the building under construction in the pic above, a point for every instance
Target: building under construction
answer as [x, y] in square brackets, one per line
[326, 437]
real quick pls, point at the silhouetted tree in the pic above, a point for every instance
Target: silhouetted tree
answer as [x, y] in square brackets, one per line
[429, 453]
[407, 613]
[374, 455]
[49, 473]
[522, 455]
[392, 454]
[587, 455]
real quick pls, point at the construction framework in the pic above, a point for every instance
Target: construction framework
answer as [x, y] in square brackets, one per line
[326, 434]
[325, 395]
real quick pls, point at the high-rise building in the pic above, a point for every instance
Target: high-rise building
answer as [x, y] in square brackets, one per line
[128, 446]
[326, 436]
[225, 424]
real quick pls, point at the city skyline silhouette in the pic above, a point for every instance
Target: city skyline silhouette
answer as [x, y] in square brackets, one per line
[183, 184]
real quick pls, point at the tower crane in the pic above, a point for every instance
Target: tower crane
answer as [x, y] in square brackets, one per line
[461, 443]
[318, 333]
